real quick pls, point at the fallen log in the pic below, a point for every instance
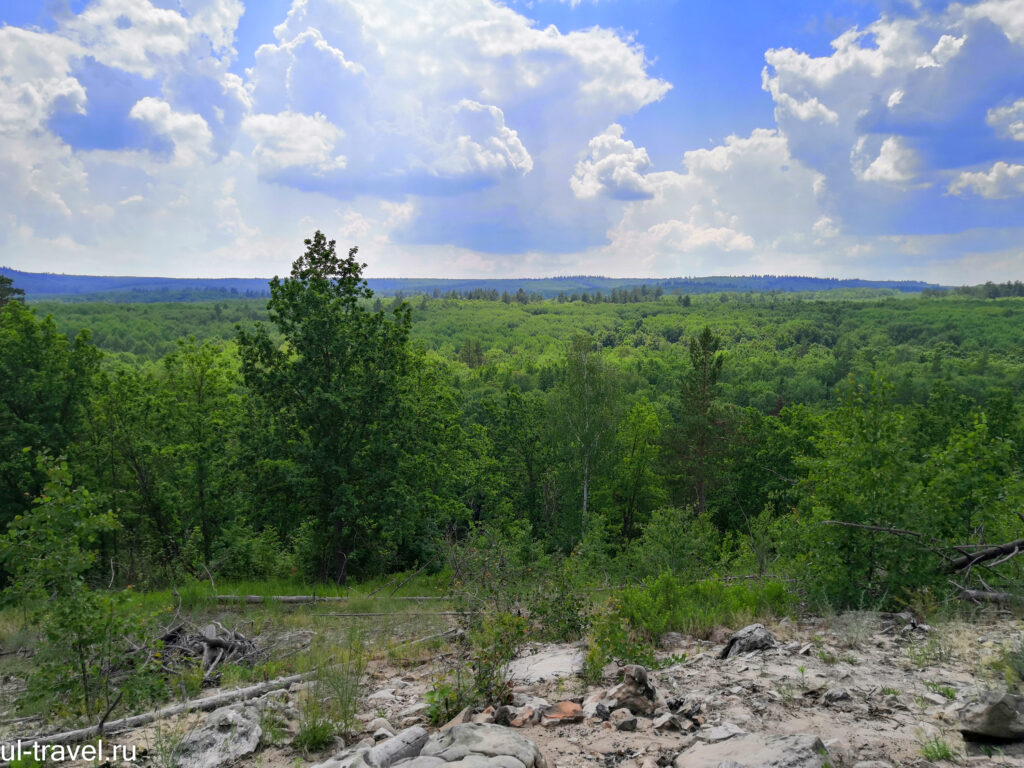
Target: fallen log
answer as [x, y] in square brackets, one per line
[984, 596]
[310, 598]
[195, 705]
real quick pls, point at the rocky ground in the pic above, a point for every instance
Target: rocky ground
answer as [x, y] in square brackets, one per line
[858, 690]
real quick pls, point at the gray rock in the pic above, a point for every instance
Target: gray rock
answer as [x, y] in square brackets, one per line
[491, 741]
[872, 764]
[724, 731]
[623, 720]
[667, 722]
[994, 715]
[422, 761]
[228, 734]
[635, 693]
[379, 723]
[592, 701]
[466, 745]
[751, 638]
[406, 744]
[758, 751]
[549, 663]
[832, 695]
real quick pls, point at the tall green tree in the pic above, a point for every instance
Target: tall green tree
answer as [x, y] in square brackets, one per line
[700, 433]
[636, 485]
[333, 385]
[586, 403]
[44, 384]
[8, 292]
[203, 419]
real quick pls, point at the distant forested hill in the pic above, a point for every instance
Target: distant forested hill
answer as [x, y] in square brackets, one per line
[38, 285]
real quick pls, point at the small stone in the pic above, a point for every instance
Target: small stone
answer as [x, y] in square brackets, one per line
[667, 722]
[415, 709]
[487, 716]
[381, 734]
[747, 640]
[382, 695]
[723, 732]
[379, 723]
[623, 720]
[833, 695]
[561, 713]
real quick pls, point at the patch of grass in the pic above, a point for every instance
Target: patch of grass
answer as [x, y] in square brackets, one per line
[1009, 665]
[272, 727]
[944, 690]
[828, 657]
[629, 625]
[932, 651]
[890, 691]
[936, 748]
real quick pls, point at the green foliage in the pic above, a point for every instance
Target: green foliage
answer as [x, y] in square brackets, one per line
[943, 690]
[331, 701]
[676, 540]
[630, 625]
[936, 748]
[445, 699]
[44, 384]
[242, 552]
[83, 666]
[494, 638]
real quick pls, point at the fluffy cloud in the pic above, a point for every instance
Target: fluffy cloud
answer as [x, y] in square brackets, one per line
[1008, 121]
[896, 162]
[1001, 180]
[442, 97]
[459, 135]
[732, 202]
[189, 132]
[291, 140]
[613, 167]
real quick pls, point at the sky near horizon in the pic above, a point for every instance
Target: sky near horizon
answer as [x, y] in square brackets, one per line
[880, 139]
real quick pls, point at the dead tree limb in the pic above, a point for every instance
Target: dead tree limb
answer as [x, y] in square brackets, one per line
[1005, 551]
[195, 705]
[311, 598]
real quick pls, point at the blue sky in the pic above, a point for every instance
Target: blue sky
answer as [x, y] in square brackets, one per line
[526, 138]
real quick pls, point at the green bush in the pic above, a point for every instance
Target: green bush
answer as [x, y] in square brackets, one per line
[495, 639]
[629, 626]
[243, 553]
[677, 540]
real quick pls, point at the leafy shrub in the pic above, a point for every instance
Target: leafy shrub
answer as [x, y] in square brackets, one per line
[445, 699]
[504, 571]
[96, 653]
[331, 702]
[676, 540]
[245, 553]
[495, 639]
[630, 625]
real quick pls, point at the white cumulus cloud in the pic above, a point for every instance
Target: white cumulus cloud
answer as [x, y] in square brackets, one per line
[613, 167]
[1001, 180]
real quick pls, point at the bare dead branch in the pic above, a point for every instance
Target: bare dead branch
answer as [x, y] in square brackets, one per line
[1010, 549]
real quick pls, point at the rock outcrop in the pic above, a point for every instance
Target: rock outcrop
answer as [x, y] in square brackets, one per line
[228, 734]
[467, 745]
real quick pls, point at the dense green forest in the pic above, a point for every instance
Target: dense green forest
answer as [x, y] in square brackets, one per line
[705, 458]
[341, 435]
